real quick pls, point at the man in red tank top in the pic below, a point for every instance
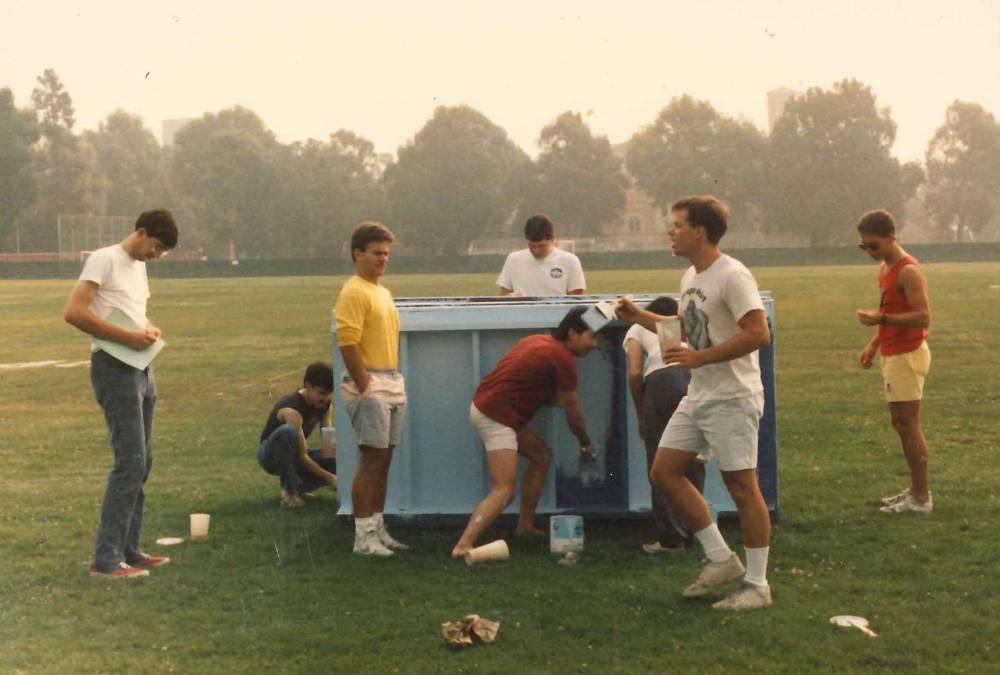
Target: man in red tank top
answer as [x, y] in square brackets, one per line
[901, 341]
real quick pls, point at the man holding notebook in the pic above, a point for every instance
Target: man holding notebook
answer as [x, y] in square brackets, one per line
[108, 303]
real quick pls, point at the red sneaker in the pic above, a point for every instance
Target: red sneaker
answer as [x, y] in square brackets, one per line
[150, 561]
[123, 571]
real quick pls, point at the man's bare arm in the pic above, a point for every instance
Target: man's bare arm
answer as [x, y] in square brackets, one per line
[79, 315]
[355, 364]
[292, 416]
[753, 334]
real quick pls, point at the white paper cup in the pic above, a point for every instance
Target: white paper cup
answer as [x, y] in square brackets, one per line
[668, 331]
[199, 526]
[328, 441]
[495, 550]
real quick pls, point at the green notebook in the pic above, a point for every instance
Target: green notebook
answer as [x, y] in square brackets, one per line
[139, 360]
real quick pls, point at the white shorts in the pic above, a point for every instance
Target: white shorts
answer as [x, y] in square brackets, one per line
[495, 436]
[728, 429]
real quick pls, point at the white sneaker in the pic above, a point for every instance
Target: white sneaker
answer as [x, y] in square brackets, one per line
[748, 596]
[886, 501]
[367, 543]
[386, 540]
[715, 575]
[909, 504]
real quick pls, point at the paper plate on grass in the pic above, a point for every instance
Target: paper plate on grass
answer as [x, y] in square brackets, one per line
[169, 541]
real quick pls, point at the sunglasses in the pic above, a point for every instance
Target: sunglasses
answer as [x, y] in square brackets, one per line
[866, 246]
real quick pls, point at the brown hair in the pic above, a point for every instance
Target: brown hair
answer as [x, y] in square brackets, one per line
[707, 212]
[878, 222]
[539, 228]
[367, 233]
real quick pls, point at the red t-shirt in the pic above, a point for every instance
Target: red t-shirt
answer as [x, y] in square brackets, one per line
[896, 339]
[526, 378]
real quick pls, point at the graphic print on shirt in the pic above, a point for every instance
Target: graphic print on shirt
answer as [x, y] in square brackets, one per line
[556, 272]
[696, 326]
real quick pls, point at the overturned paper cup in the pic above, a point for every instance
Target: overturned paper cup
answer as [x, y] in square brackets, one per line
[495, 550]
[199, 526]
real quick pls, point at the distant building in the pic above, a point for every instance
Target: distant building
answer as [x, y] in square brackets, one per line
[171, 127]
[777, 99]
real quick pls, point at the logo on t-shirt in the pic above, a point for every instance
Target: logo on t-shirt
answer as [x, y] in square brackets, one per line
[556, 272]
[696, 327]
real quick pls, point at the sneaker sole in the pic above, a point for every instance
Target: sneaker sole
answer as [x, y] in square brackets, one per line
[697, 590]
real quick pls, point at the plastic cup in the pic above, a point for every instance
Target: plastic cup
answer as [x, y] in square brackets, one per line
[328, 441]
[495, 550]
[669, 332]
[199, 526]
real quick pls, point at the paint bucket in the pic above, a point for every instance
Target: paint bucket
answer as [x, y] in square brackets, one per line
[566, 534]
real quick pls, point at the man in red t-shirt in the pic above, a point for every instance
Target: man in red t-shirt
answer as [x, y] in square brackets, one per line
[539, 370]
[901, 341]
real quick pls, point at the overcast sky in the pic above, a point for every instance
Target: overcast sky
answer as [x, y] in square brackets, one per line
[380, 68]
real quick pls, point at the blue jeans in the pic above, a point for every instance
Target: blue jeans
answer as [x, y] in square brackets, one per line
[278, 454]
[127, 396]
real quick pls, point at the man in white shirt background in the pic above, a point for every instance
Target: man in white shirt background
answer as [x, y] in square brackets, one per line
[542, 269]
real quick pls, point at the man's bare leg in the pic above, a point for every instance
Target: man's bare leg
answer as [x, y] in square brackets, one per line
[503, 475]
[906, 421]
[669, 476]
[531, 445]
[366, 490]
[383, 482]
[755, 521]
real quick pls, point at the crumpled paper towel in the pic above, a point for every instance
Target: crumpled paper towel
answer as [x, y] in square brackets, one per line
[460, 633]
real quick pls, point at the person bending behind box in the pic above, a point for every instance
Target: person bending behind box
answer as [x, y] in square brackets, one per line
[283, 450]
[725, 325]
[656, 390]
[373, 389]
[538, 370]
[114, 278]
[902, 318]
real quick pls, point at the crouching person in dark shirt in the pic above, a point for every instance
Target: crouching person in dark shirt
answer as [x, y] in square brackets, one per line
[283, 450]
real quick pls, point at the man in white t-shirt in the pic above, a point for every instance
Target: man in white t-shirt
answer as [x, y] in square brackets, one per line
[114, 278]
[725, 325]
[541, 269]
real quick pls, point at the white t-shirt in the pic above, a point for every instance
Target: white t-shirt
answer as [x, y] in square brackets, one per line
[121, 282]
[711, 305]
[557, 274]
[650, 346]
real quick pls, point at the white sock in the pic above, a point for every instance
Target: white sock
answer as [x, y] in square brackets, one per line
[362, 525]
[379, 521]
[714, 545]
[757, 566]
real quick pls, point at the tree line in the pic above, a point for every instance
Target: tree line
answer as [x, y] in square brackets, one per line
[460, 177]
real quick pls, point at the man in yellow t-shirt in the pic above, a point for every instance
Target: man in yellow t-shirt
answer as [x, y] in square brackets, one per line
[373, 388]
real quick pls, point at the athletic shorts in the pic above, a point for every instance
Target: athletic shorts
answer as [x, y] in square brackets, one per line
[377, 415]
[904, 374]
[727, 429]
[495, 436]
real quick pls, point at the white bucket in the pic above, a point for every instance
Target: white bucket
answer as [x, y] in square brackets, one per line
[566, 534]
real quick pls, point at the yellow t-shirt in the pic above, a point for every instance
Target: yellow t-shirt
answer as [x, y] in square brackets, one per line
[367, 317]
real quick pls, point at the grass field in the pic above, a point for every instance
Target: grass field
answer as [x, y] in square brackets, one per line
[278, 591]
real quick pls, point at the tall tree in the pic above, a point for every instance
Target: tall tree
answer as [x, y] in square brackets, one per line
[19, 131]
[327, 189]
[67, 178]
[691, 148]
[830, 161]
[455, 181]
[223, 165]
[131, 161]
[53, 102]
[578, 179]
[963, 171]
